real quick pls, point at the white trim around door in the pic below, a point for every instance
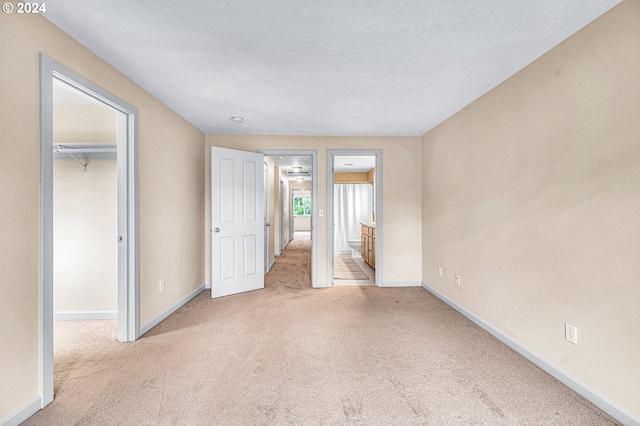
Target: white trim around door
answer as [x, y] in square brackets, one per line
[128, 216]
[331, 154]
[314, 203]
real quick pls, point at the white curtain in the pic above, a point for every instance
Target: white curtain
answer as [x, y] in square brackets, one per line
[352, 205]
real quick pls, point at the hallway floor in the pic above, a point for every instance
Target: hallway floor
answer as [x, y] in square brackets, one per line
[290, 354]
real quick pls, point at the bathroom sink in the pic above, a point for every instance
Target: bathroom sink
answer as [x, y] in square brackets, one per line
[371, 224]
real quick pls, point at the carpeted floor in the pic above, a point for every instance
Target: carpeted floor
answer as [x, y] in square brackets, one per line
[293, 355]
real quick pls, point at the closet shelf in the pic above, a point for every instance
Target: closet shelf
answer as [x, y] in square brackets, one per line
[86, 151]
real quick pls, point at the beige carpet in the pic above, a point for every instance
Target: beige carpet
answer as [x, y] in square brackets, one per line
[292, 355]
[344, 268]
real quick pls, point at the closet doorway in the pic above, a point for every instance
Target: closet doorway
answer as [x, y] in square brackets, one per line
[88, 182]
[354, 198]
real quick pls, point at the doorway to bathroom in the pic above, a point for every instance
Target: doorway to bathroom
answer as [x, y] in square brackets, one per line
[352, 183]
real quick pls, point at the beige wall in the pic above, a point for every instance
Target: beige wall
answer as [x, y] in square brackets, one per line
[85, 214]
[287, 207]
[300, 185]
[370, 174]
[271, 212]
[350, 178]
[302, 223]
[85, 211]
[402, 203]
[84, 123]
[171, 175]
[532, 195]
[279, 175]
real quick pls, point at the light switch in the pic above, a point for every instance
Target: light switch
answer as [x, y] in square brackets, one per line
[321, 212]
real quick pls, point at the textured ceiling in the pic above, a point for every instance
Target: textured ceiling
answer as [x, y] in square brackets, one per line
[356, 67]
[354, 164]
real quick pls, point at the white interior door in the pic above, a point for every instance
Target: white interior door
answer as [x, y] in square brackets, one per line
[237, 221]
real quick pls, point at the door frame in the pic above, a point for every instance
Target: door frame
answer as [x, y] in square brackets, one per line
[267, 225]
[282, 204]
[314, 202]
[331, 154]
[128, 212]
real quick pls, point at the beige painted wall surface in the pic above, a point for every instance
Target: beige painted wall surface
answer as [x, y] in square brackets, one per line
[84, 123]
[287, 203]
[532, 195]
[85, 211]
[280, 176]
[271, 188]
[302, 223]
[350, 178]
[402, 203]
[171, 175]
[300, 185]
[370, 174]
[275, 226]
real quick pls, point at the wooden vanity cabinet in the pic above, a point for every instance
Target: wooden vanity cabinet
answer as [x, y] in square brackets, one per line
[369, 245]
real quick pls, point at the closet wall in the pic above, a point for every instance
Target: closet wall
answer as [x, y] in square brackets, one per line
[85, 217]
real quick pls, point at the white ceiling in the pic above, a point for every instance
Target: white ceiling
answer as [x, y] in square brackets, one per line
[354, 164]
[288, 162]
[331, 67]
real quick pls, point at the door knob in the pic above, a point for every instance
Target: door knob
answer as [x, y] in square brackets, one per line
[216, 229]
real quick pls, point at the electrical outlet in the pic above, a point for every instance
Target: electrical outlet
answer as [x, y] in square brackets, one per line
[440, 271]
[571, 333]
[161, 286]
[457, 279]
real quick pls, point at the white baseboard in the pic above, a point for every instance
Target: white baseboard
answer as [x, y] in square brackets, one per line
[88, 315]
[22, 413]
[207, 285]
[596, 398]
[401, 284]
[271, 265]
[157, 320]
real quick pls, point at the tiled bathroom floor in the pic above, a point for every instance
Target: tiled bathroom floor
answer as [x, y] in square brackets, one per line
[365, 268]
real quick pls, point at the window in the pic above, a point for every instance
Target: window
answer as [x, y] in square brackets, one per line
[301, 206]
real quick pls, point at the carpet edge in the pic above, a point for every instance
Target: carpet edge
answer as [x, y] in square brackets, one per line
[605, 404]
[22, 413]
[171, 309]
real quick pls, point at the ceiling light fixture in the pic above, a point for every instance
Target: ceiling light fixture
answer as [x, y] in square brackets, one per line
[297, 169]
[237, 119]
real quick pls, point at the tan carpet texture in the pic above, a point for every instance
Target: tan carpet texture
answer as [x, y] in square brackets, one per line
[292, 355]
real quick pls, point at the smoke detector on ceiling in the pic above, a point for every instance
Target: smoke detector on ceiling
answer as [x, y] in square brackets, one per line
[237, 119]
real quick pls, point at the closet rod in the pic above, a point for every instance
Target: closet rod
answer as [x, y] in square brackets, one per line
[72, 151]
[67, 150]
